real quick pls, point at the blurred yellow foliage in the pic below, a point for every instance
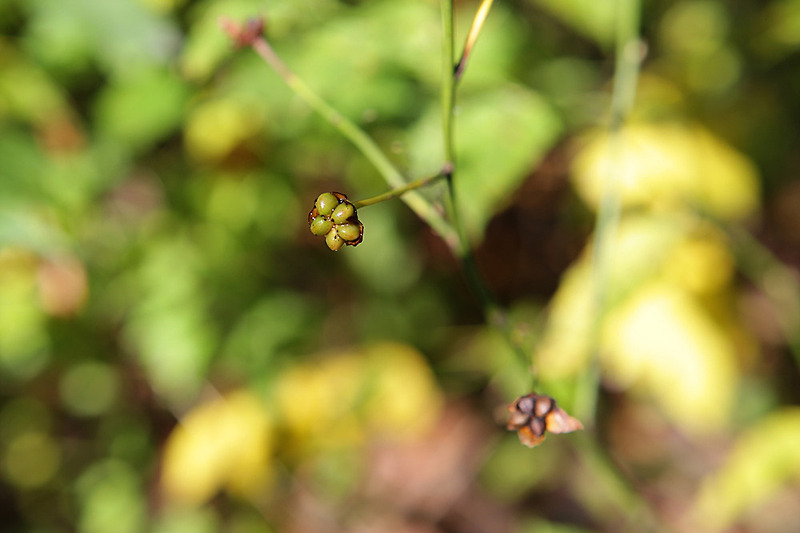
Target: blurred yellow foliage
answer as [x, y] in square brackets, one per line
[763, 460]
[384, 389]
[317, 402]
[667, 167]
[403, 396]
[666, 328]
[23, 341]
[663, 342]
[664, 334]
[223, 444]
[215, 127]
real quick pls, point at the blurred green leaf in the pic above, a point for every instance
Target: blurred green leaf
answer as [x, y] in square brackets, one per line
[500, 138]
[781, 22]
[24, 344]
[120, 35]
[538, 525]
[276, 322]
[207, 45]
[384, 260]
[26, 91]
[142, 108]
[89, 389]
[22, 168]
[590, 18]
[169, 328]
[764, 459]
[110, 499]
[188, 521]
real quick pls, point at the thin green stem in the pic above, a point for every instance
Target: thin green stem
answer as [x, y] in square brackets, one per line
[777, 281]
[619, 504]
[626, 73]
[358, 137]
[495, 315]
[621, 491]
[399, 191]
[448, 82]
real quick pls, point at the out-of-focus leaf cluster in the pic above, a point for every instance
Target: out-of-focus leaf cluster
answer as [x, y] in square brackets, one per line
[178, 353]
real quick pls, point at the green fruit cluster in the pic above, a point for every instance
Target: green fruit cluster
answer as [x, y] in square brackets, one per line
[335, 217]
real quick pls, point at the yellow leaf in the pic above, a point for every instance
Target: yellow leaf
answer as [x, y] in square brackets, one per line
[404, 398]
[226, 443]
[639, 250]
[384, 389]
[667, 167]
[701, 263]
[215, 127]
[317, 401]
[663, 343]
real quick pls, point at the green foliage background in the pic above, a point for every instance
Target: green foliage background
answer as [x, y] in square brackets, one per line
[154, 256]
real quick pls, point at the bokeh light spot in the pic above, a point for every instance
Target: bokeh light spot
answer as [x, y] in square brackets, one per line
[89, 389]
[31, 460]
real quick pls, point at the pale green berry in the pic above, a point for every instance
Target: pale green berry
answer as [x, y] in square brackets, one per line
[342, 212]
[321, 225]
[333, 240]
[325, 204]
[349, 232]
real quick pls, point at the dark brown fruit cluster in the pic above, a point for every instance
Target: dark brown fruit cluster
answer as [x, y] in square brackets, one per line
[335, 217]
[533, 415]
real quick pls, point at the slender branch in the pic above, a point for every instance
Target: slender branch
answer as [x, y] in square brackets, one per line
[251, 35]
[472, 37]
[626, 73]
[448, 83]
[495, 315]
[777, 281]
[396, 193]
[621, 490]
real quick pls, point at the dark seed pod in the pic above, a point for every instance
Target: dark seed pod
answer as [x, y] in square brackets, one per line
[543, 406]
[526, 404]
[517, 419]
[533, 415]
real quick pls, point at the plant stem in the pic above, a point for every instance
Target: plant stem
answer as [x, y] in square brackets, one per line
[359, 138]
[777, 281]
[472, 37]
[399, 191]
[619, 492]
[448, 84]
[626, 72]
[494, 314]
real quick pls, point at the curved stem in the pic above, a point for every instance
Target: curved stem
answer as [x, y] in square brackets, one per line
[399, 191]
[626, 73]
[358, 137]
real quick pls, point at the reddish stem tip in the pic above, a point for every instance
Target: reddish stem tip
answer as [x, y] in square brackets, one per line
[243, 34]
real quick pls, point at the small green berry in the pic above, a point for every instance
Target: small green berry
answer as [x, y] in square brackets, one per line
[342, 212]
[349, 232]
[326, 202]
[333, 240]
[321, 225]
